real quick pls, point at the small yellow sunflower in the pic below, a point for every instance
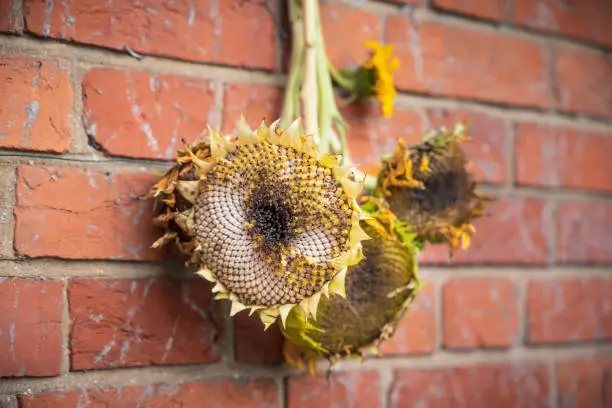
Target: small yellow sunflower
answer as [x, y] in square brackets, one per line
[263, 216]
[384, 66]
[429, 187]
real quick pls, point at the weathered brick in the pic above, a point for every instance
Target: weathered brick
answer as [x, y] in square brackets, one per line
[351, 51]
[488, 385]
[589, 20]
[255, 102]
[515, 231]
[347, 389]
[253, 344]
[491, 10]
[581, 78]
[7, 194]
[73, 213]
[233, 32]
[583, 232]
[571, 309]
[35, 112]
[480, 313]
[495, 67]
[416, 333]
[126, 323]
[9, 15]
[487, 145]
[585, 382]
[250, 394]
[30, 327]
[143, 115]
[562, 157]
[371, 135]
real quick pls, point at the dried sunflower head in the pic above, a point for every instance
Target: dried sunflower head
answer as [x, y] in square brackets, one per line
[378, 292]
[429, 187]
[265, 217]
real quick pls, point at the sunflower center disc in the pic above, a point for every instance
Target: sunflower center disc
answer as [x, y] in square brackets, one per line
[271, 220]
[441, 191]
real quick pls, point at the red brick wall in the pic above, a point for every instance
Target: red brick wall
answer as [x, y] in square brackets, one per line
[88, 313]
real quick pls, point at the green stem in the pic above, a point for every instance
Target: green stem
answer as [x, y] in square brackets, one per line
[342, 80]
[291, 106]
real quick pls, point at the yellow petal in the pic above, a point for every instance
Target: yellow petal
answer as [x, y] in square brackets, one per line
[284, 312]
[206, 274]
[236, 307]
[337, 283]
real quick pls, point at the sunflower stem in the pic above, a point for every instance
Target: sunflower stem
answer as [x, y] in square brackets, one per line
[291, 108]
[340, 79]
[309, 94]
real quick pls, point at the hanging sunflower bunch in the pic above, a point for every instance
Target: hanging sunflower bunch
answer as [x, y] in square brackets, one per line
[275, 218]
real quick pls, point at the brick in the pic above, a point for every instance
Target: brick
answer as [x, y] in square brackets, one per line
[415, 2]
[561, 157]
[486, 385]
[255, 102]
[588, 21]
[253, 344]
[10, 15]
[491, 10]
[494, 67]
[487, 147]
[141, 322]
[583, 232]
[351, 51]
[580, 78]
[348, 389]
[371, 135]
[416, 333]
[569, 310]
[7, 194]
[103, 221]
[585, 382]
[247, 394]
[143, 115]
[30, 327]
[515, 231]
[233, 32]
[480, 313]
[35, 114]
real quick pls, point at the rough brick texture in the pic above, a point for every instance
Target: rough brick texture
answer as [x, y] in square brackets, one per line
[585, 382]
[250, 394]
[119, 323]
[30, 327]
[583, 232]
[495, 385]
[435, 59]
[254, 102]
[561, 157]
[142, 115]
[569, 310]
[232, 32]
[517, 233]
[345, 389]
[35, 114]
[105, 218]
[588, 21]
[7, 194]
[9, 15]
[494, 9]
[253, 344]
[480, 313]
[416, 333]
[581, 78]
